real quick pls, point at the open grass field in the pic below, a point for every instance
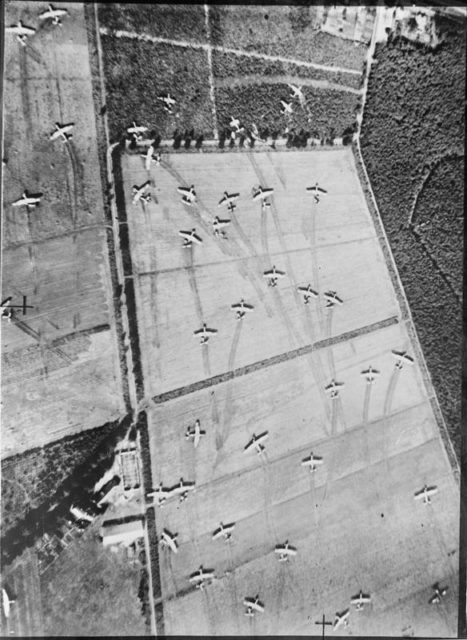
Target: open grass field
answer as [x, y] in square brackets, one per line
[354, 522]
[59, 362]
[89, 591]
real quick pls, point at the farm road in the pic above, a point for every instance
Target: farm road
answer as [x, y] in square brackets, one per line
[236, 52]
[284, 79]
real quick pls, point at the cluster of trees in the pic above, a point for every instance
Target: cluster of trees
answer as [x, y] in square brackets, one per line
[414, 115]
[137, 73]
[289, 31]
[30, 478]
[325, 114]
[175, 21]
[226, 65]
[76, 487]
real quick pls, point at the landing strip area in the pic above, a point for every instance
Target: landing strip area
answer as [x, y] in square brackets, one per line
[354, 521]
[60, 364]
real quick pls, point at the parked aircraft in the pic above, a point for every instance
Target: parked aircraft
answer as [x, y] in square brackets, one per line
[151, 156]
[253, 606]
[7, 602]
[285, 551]
[80, 514]
[332, 298]
[341, 619]
[218, 225]
[139, 193]
[360, 600]
[234, 123]
[256, 443]
[297, 92]
[62, 131]
[195, 432]
[168, 102]
[333, 388]
[402, 358]
[286, 108]
[307, 293]
[439, 592]
[53, 14]
[272, 275]
[315, 191]
[8, 309]
[169, 540]
[312, 462]
[21, 32]
[160, 494]
[228, 198]
[136, 130]
[231, 207]
[262, 192]
[254, 133]
[205, 333]
[201, 577]
[188, 194]
[182, 489]
[265, 204]
[223, 531]
[370, 374]
[426, 493]
[28, 201]
[190, 237]
[241, 308]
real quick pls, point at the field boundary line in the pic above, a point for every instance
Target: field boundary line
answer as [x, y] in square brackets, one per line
[236, 52]
[271, 361]
[211, 75]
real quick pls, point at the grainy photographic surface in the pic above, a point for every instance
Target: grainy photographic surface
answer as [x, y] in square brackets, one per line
[231, 319]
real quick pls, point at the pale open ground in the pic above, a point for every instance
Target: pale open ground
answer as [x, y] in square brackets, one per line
[60, 374]
[355, 522]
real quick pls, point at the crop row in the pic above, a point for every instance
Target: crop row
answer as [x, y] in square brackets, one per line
[414, 116]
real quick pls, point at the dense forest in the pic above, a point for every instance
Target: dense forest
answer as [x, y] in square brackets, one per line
[412, 133]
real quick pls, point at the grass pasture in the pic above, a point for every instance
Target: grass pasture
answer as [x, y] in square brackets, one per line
[354, 522]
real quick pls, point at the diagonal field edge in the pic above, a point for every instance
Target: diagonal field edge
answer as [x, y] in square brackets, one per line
[273, 360]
